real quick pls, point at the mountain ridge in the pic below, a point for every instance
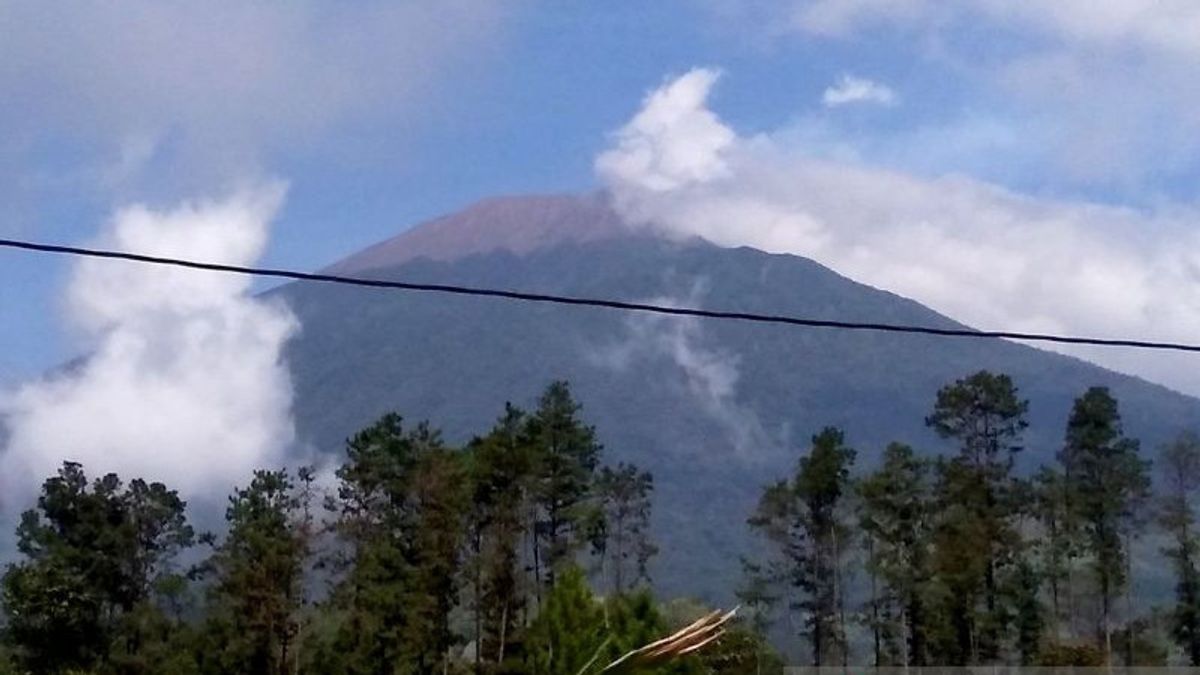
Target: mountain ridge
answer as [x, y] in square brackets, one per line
[714, 409]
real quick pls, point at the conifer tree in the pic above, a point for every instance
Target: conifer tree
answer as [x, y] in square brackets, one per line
[501, 477]
[984, 414]
[624, 494]
[1180, 469]
[258, 586]
[803, 521]
[565, 456]
[896, 514]
[1108, 480]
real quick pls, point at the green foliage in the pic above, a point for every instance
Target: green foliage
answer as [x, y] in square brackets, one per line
[1107, 481]
[446, 560]
[1067, 655]
[569, 632]
[565, 456]
[1180, 466]
[896, 517]
[804, 522]
[86, 595]
[625, 497]
[501, 474]
[976, 542]
[401, 517]
[258, 579]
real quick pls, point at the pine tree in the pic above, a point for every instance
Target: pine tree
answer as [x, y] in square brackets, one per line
[1057, 545]
[984, 414]
[258, 586]
[1108, 479]
[625, 497]
[400, 521]
[896, 516]
[501, 476]
[1180, 468]
[565, 458]
[803, 520]
[569, 633]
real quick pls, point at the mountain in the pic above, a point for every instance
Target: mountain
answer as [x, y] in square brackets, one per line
[714, 409]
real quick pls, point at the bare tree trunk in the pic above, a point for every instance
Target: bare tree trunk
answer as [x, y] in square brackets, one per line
[1129, 598]
[503, 631]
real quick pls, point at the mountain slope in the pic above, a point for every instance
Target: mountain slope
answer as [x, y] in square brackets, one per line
[714, 409]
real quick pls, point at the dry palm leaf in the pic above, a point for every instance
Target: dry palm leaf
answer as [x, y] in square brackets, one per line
[684, 641]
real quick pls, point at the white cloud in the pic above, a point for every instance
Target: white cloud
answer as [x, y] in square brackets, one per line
[974, 251]
[1101, 93]
[851, 89]
[674, 139]
[183, 381]
[207, 89]
[1168, 26]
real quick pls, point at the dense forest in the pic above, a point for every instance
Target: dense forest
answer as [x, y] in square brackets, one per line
[524, 552]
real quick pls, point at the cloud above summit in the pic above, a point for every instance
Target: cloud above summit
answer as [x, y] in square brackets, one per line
[981, 253]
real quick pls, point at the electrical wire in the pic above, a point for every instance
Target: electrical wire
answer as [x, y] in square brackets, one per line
[595, 302]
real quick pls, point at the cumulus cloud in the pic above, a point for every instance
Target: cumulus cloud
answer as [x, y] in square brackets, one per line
[982, 254]
[850, 89]
[183, 380]
[674, 139]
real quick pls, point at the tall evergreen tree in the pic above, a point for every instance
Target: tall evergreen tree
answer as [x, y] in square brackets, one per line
[803, 520]
[985, 415]
[1179, 464]
[625, 498]
[1108, 479]
[896, 514]
[1057, 545]
[566, 454]
[501, 476]
[258, 586]
[400, 520]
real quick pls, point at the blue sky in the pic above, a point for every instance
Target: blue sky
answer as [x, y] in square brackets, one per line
[378, 115]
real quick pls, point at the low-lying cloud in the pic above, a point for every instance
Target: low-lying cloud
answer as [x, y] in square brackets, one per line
[980, 253]
[183, 379]
[709, 375]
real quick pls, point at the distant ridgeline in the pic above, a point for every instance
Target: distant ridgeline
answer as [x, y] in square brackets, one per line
[524, 550]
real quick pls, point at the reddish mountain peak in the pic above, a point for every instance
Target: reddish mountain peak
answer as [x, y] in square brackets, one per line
[517, 224]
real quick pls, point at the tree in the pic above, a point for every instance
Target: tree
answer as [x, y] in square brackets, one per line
[501, 476]
[569, 633]
[565, 457]
[258, 578]
[985, 415]
[1108, 479]
[896, 517]
[624, 495]
[1058, 544]
[802, 519]
[400, 522]
[576, 634]
[87, 594]
[1030, 623]
[1180, 468]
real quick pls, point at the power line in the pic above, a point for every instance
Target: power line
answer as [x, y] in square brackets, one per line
[594, 302]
